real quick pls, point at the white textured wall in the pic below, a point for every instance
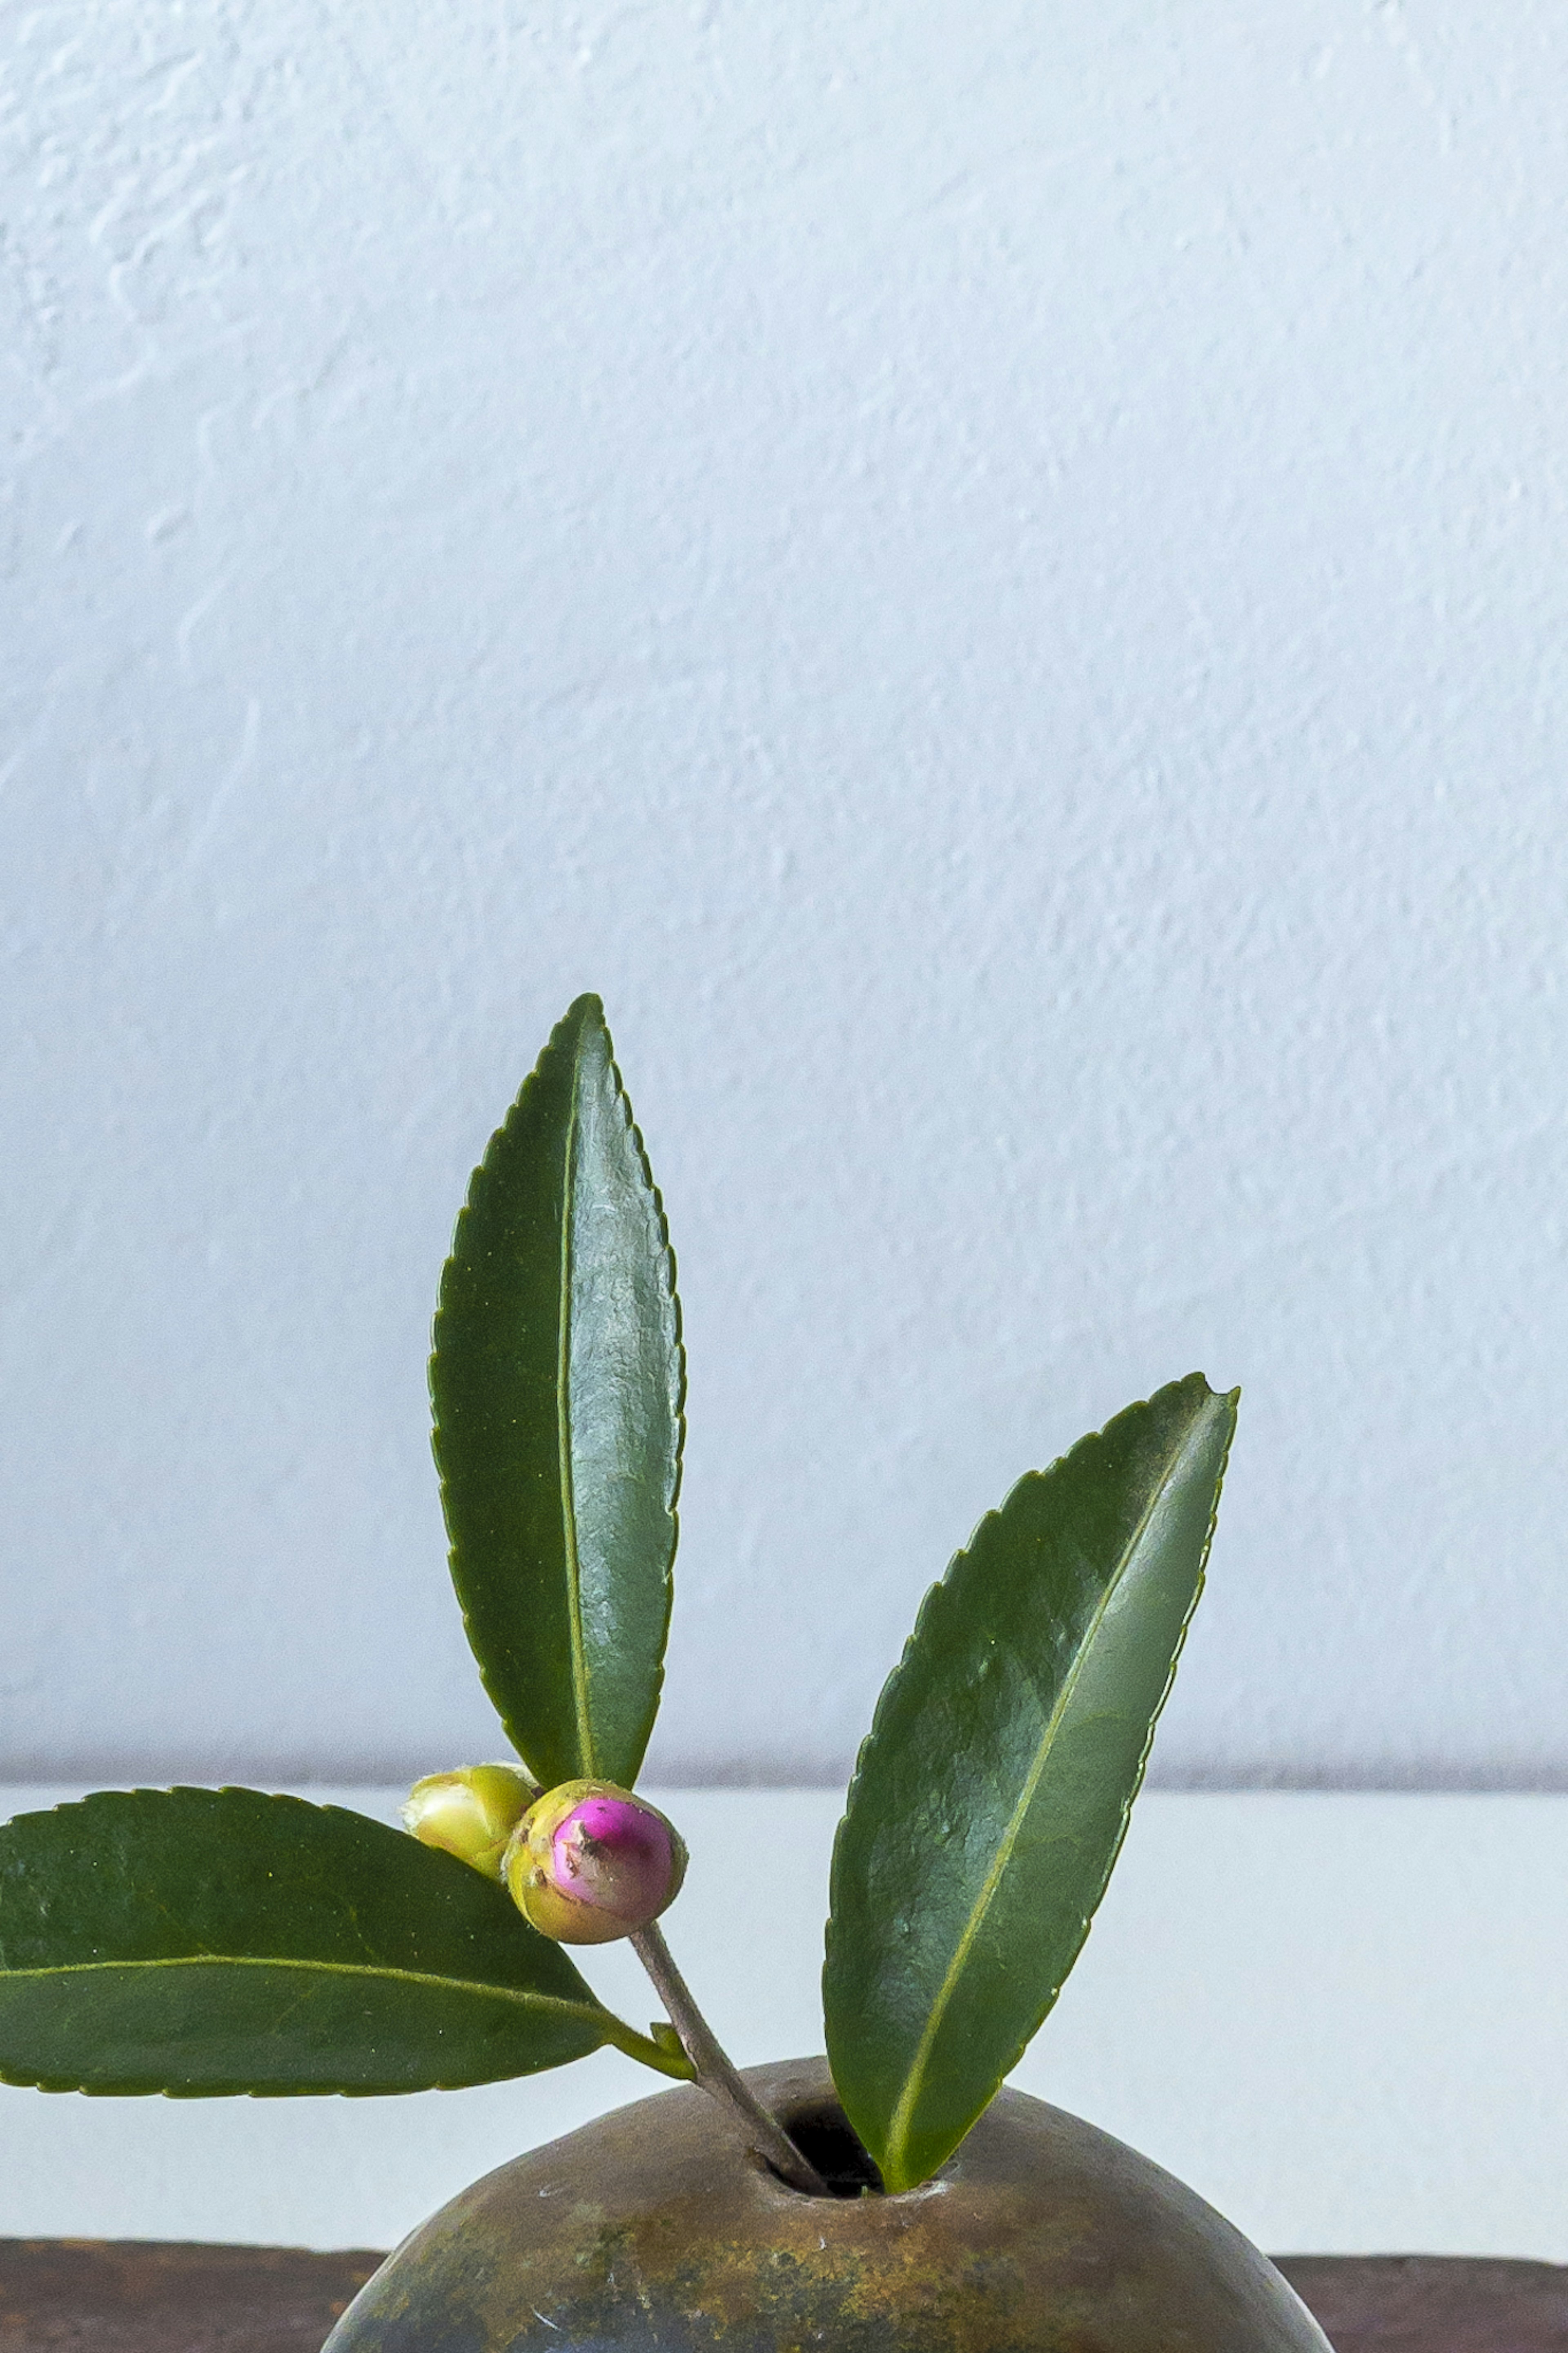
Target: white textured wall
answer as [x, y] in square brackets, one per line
[995, 578]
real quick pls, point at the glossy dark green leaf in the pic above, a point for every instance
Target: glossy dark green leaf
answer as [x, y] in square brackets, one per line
[557, 1383]
[203, 1941]
[992, 1795]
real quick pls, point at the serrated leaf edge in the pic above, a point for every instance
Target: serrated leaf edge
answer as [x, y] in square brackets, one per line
[581, 1682]
[903, 2108]
[592, 2013]
[583, 1009]
[672, 1271]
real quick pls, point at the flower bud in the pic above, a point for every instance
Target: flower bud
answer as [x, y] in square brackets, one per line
[589, 1862]
[471, 1812]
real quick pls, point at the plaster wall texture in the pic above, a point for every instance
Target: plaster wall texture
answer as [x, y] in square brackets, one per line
[993, 577]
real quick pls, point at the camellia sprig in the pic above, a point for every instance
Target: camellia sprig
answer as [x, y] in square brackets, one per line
[196, 1942]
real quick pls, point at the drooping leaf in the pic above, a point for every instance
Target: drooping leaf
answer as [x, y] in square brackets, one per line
[207, 1941]
[557, 1383]
[992, 1795]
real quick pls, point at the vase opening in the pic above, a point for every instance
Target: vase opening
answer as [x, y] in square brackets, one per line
[829, 2141]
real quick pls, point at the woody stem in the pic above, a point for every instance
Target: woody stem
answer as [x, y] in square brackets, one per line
[714, 2070]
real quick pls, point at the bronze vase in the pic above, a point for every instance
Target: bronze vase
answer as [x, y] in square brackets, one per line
[653, 2230]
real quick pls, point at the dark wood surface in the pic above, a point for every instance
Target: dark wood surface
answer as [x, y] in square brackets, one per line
[132, 2297]
[1433, 2304]
[137, 2297]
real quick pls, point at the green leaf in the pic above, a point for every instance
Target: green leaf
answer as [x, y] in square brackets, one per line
[203, 1941]
[992, 1795]
[557, 1382]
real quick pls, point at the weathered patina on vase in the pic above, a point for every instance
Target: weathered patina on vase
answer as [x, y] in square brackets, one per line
[653, 2230]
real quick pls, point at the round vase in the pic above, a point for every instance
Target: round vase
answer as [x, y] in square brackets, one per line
[654, 2231]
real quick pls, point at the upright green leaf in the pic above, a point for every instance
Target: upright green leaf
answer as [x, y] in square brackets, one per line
[203, 1941]
[557, 1382]
[992, 1795]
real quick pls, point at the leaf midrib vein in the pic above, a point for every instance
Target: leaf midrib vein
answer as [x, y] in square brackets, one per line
[563, 1436]
[903, 2113]
[590, 2012]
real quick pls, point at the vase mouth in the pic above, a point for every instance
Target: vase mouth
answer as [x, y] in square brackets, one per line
[824, 2137]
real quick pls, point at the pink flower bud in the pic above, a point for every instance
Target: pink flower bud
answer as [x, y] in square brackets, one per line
[590, 1863]
[471, 1812]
